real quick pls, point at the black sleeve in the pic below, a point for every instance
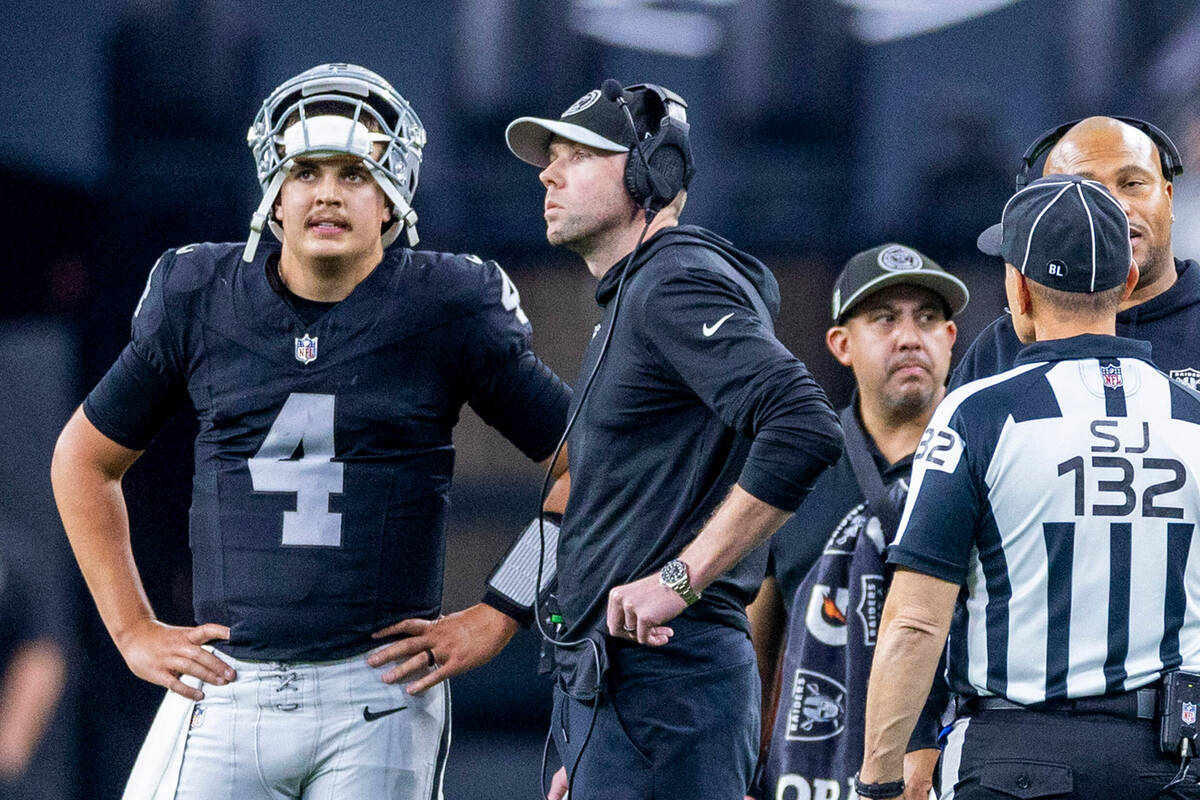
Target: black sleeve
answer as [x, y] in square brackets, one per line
[944, 507]
[992, 352]
[748, 378]
[133, 400]
[524, 400]
[147, 384]
[506, 384]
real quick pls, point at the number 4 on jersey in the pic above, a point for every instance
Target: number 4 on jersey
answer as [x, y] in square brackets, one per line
[510, 298]
[297, 456]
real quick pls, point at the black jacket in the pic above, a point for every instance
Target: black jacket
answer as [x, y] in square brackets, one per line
[1170, 322]
[694, 393]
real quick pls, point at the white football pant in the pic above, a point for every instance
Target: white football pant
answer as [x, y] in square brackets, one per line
[322, 731]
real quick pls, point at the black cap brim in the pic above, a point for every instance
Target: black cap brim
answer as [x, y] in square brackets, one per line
[952, 291]
[991, 241]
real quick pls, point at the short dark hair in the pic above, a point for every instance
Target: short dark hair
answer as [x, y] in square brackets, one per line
[1080, 303]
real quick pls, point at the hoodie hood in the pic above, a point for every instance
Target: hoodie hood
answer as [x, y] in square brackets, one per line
[755, 271]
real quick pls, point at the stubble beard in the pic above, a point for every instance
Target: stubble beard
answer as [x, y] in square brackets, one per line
[584, 235]
[909, 402]
[1156, 263]
[574, 234]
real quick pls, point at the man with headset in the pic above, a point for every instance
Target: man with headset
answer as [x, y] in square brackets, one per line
[1052, 512]
[1137, 163]
[693, 435]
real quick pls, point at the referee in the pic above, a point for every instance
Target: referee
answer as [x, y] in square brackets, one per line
[1056, 503]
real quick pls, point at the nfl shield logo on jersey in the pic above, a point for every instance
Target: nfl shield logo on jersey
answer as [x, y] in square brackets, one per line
[1188, 714]
[1112, 376]
[306, 349]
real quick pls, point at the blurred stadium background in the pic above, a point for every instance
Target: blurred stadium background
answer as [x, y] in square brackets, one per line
[821, 127]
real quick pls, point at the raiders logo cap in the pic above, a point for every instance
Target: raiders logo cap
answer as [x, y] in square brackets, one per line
[593, 120]
[889, 265]
[1065, 232]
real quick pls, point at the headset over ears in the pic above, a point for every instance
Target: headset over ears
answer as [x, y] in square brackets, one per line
[665, 165]
[1168, 155]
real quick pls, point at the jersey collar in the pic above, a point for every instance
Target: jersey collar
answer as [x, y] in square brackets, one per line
[1088, 345]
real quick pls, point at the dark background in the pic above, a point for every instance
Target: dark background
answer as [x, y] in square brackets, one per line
[820, 128]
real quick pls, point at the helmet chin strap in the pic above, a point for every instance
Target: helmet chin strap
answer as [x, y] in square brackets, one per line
[406, 217]
[262, 215]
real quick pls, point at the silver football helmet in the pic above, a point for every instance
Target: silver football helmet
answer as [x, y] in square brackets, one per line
[275, 143]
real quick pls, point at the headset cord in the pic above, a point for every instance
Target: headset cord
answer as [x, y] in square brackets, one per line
[546, 482]
[1186, 754]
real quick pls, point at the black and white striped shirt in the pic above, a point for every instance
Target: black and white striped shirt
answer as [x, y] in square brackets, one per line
[1063, 495]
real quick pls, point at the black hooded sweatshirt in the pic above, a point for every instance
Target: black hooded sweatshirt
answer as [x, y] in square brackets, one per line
[1169, 321]
[694, 393]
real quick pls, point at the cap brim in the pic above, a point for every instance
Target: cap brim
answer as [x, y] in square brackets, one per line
[529, 138]
[991, 240]
[943, 284]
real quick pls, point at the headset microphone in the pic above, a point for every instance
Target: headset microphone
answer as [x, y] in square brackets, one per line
[612, 91]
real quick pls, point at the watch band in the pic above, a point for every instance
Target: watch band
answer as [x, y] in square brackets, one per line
[688, 594]
[878, 791]
[674, 575]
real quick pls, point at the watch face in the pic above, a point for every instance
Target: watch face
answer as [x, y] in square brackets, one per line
[673, 572]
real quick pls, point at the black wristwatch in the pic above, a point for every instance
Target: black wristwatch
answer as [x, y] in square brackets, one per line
[878, 791]
[674, 575]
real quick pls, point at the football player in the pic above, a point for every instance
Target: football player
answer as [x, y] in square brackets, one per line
[326, 372]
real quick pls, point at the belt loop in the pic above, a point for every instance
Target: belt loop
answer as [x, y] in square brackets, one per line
[1146, 703]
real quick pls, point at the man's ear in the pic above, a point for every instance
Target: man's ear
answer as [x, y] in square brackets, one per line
[837, 339]
[1131, 280]
[1024, 298]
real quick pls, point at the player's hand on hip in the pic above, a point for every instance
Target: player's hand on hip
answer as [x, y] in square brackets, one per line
[558, 785]
[162, 654]
[638, 610]
[442, 648]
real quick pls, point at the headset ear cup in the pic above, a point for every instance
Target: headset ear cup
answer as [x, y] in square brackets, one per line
[669, 170]
[660, 166]
[668, 167]
[637, 180]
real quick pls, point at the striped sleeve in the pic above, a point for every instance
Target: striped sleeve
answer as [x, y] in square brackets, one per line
[947, 497]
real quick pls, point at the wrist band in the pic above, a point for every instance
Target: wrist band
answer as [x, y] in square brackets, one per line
[516, 574]
[878, 791]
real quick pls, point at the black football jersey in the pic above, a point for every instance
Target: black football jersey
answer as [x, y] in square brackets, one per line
[324, 454]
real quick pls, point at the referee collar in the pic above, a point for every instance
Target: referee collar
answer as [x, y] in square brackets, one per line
[1088, 345]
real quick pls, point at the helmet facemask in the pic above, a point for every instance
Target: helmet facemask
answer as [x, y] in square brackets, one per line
[331, 110]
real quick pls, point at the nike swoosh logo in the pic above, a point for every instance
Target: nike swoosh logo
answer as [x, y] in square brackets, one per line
[371, 716]
[709, 330]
